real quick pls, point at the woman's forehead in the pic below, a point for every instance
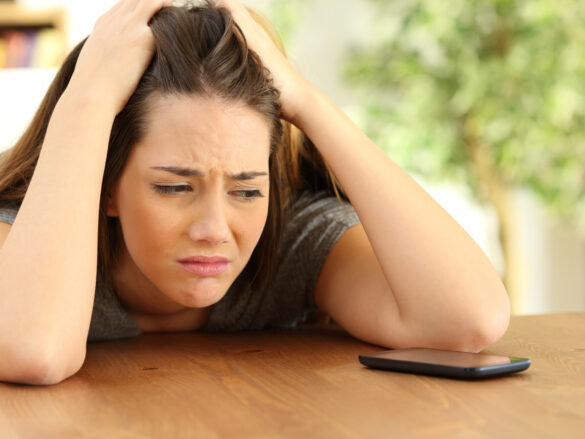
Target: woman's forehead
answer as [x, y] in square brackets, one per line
[203, 130]
[205, 114]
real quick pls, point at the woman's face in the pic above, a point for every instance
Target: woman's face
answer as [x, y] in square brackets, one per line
[192, 202]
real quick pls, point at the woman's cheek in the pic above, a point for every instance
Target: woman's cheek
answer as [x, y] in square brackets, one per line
[153, 226]
[256, 225]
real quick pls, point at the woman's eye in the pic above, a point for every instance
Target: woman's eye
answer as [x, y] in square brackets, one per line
[172, 189]
[247, 195]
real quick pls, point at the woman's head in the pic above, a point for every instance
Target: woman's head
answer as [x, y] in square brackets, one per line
[206, 107]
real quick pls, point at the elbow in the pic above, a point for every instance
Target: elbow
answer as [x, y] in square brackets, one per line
[487, 325]
[495, 321]
[43, 367]
[53, 366]
[44, 372]
[480, 336]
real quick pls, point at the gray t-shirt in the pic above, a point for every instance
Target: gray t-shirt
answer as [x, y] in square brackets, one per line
[312, 225]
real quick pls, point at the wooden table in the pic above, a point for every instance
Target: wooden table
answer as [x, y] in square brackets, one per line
[303, 384]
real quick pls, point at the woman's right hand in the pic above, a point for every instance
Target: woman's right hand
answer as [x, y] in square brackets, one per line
[116, 53]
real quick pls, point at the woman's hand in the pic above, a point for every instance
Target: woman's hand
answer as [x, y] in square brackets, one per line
[292, 85]
[116, 53]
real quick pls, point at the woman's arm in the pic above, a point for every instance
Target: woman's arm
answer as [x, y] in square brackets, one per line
[409, 275]
[49, 256]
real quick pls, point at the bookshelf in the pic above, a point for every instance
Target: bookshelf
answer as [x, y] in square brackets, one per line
[31, 37]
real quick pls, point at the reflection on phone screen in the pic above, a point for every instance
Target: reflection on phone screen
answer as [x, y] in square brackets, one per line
[446, 358]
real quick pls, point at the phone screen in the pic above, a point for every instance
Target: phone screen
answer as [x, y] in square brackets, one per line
[445, 363]
[447, 358]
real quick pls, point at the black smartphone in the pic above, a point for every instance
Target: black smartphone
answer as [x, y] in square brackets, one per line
[450, 364]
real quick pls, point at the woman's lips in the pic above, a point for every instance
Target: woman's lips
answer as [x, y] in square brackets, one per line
[205, 266]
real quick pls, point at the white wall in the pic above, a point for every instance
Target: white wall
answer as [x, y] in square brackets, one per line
[21, 92]
[553, 259]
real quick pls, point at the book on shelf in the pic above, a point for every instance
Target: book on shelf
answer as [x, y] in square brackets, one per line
[30, 48]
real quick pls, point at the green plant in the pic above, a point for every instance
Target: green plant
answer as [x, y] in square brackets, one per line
[485, 93]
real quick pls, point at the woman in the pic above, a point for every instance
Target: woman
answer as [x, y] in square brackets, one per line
[173, 180]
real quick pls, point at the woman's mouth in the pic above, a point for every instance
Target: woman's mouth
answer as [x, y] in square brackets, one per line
[205, 266]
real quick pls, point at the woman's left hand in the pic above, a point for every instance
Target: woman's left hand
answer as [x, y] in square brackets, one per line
[291, 84]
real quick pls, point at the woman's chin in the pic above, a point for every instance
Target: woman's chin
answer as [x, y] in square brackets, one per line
[204, 294]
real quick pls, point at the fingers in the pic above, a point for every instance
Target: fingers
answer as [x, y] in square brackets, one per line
[119, 49]
[139, 10]
[145, 9]
[241, 16]
[123, 6]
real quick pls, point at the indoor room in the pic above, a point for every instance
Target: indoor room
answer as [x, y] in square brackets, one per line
[470, 217]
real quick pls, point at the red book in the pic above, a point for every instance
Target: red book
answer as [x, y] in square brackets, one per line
[19, 48]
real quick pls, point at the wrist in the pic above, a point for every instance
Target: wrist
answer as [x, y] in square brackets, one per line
[297, 102]
[88, 98]
[83, 118]
[310, 104]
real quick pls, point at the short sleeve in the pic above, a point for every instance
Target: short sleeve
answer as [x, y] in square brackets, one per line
[109, 319]
[8, 215]
[312, 226]
[318, 223]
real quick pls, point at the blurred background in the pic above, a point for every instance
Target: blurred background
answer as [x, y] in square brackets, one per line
[482, 101]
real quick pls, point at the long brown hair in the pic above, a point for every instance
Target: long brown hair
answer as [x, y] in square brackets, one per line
[199, 51]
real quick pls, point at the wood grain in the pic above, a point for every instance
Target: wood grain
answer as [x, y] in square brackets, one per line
[304, 383]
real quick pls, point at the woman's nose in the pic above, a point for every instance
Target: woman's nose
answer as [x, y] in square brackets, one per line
[210, 224]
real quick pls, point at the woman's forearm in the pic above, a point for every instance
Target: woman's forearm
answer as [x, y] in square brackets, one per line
[48, 261]
[434, 269]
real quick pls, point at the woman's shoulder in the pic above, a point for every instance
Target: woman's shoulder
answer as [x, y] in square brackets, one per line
[109, 319]
[309, 209]
[313, 224]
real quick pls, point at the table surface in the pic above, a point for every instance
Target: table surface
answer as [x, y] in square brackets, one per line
[303, 383]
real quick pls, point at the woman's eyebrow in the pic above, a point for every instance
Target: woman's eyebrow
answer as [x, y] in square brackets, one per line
[190, 172]
[181, 172]
[247, 175]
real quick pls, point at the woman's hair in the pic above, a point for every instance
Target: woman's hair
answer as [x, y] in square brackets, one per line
[200, 50]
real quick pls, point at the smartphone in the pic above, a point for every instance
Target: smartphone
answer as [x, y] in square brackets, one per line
[450, 364]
